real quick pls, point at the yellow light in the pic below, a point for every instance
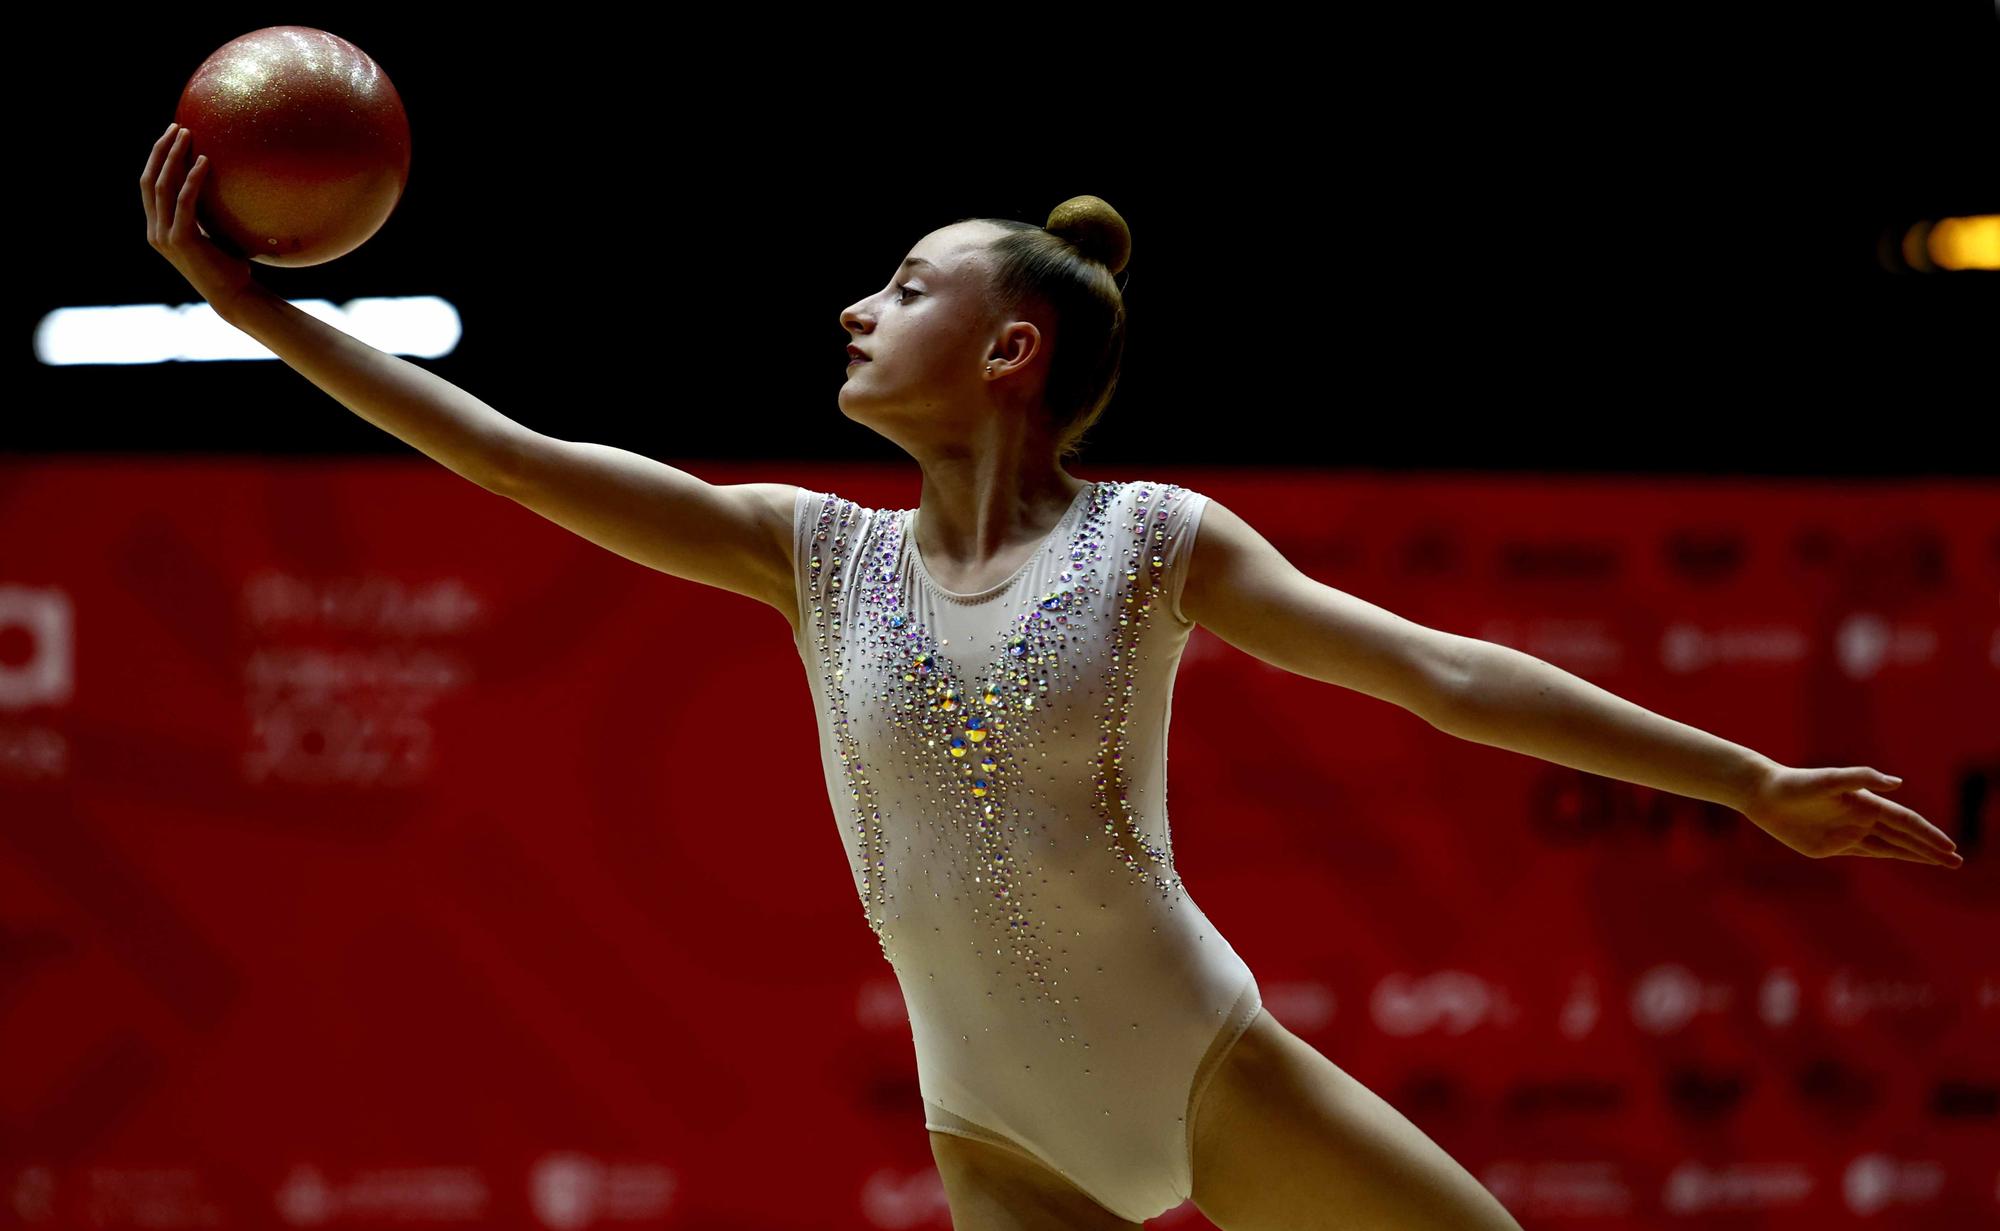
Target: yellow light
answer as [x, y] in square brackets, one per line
[1966, 243]
[1913, 248]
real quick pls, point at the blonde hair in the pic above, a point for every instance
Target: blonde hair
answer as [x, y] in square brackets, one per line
[1069, 265]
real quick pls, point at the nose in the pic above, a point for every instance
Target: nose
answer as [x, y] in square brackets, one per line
[851, 321]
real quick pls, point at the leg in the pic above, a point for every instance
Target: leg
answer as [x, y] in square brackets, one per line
[992, 1188]
[1284, 1140]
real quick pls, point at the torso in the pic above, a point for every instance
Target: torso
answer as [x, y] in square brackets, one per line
[994, 749]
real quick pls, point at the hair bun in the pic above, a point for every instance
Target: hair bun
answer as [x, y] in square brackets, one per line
[1095, 228]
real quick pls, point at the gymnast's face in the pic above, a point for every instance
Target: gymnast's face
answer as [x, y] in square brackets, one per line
[928, 335]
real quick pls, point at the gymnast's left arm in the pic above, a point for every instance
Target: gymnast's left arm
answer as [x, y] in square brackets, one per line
[1243, 590]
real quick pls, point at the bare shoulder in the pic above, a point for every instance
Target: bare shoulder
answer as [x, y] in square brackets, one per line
[1223, 554]
[1244, 590]
[733, 536]
[772, 506]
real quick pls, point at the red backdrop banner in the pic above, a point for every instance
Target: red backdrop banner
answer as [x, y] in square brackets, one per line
[376, 852]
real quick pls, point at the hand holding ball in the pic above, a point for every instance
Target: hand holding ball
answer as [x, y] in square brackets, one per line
[307, 145]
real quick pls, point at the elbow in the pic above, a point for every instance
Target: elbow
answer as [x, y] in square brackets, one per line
[1449, 678]
[508, 463]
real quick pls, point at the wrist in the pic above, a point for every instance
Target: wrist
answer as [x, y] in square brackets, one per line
[247, 299]
[1750, 779]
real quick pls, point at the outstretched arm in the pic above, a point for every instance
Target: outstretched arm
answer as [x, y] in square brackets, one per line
[415, 405]
[1243, 590]
[735, 537]
[1513, 700]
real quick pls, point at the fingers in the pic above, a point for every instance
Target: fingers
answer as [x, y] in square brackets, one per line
[1918, 831]
[1880, 849]
[1895, 846]
[165, 167]
[163, 182]
[1864, 786]
[184, 204]
[1922, 830]
[171, 170]
[157, 156]
[149, 178]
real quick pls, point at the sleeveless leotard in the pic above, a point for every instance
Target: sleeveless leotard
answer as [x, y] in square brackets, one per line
[998, 766]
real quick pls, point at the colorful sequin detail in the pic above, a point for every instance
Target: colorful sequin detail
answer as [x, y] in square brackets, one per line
[964, 725]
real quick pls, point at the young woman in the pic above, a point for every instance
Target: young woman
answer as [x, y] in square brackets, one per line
[993, 672]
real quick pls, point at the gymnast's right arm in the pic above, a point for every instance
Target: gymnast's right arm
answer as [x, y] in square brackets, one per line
[736, 537]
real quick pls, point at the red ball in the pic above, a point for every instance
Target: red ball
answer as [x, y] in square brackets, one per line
[308, 147]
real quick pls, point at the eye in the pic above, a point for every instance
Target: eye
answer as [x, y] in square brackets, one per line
[904, 289]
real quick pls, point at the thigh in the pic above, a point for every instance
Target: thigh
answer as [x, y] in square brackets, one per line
[1285, 1139]
[992, 1188]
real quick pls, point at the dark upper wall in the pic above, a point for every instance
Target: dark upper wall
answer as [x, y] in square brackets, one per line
[1620, 245]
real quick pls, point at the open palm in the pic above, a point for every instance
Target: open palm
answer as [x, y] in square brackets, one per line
[1821, 812]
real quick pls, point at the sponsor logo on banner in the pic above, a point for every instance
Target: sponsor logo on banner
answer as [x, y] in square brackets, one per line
[571, 1190]
[336, 687]
[1694, 1189]
[1552, 1189]
[37, 671]
[306, 1198]
[1451, 1001]
[1873, 1183]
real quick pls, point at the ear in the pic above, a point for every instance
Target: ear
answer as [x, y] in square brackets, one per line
[1018, 344]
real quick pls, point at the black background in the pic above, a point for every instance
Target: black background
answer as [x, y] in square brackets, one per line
[1632, 240]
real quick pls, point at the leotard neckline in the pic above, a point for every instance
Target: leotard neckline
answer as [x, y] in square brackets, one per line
[917, 556]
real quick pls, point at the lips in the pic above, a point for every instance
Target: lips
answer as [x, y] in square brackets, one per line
[856, 353]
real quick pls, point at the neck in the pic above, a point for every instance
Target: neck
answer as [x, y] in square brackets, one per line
[971, 511]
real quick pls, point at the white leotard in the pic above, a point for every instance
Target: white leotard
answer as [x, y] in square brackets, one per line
[998, 766]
